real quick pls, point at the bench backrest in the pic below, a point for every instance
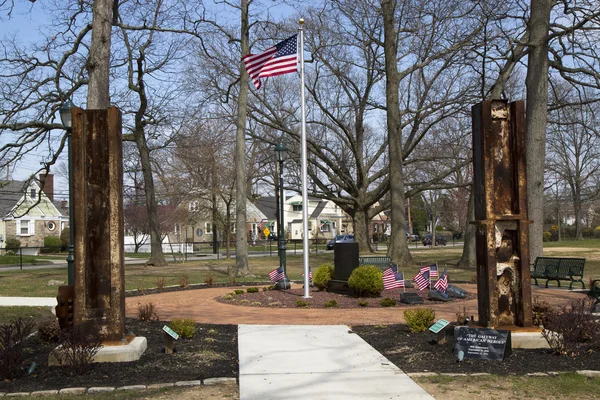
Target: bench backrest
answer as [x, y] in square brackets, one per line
[378, 261]
[559, 266]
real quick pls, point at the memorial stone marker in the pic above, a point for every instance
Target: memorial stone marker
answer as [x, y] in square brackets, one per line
[482, 344]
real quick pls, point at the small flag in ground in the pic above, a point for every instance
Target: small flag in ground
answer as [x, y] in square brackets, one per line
[393, 281]
[276, 275]
[277, 60]
[442, 283]
[424, 268]
[433, 271]
[309, 275]
[422, 280]
[391, 270]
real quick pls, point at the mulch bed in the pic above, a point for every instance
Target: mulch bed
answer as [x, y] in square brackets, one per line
[288, 298]
[211, 353]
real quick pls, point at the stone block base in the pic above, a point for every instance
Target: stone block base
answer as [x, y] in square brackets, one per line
[122, 353]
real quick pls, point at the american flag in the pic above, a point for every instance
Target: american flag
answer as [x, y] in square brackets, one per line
[433, 271]
[393, 281]
[424, 268]
[391, 270]
[276, 275]
[309, 275]
[422, 280]
[442, 283]
[277, 60]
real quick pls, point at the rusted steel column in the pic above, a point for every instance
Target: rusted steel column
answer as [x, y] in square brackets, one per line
[500, 189]
[98, 215]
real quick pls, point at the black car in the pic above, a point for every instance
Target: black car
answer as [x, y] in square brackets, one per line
[439, 240]
[340, 239]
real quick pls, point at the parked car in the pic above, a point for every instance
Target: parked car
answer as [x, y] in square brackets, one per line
[349, 238]
[412, 238]
[439, 240]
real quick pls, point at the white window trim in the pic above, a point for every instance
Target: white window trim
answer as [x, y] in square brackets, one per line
[30, 227]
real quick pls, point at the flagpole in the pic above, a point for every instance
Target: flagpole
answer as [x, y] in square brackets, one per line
[304, 167]
[403, 286]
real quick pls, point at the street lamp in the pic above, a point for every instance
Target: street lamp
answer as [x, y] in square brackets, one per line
[65, 117]
[281, 153]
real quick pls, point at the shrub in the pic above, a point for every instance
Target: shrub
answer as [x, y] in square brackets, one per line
[12, 340]
[597, 232]
[209, 340]
[323, 274]
[49, 330]
[252, 290]
[546, 236]
[256, 303]
[540, 310]
[366, 281]
[52, 244]
[420, 319]
[244, 301]
[210, 280]
[572, 329]
[363, 303]
[387, 302]
[64, 238]
[147, 312]
[184, 282]
[78, 346]
[228, 296]
[13, 245]
[160, 283]
[331, 303]
[238, 291]
[186, 328]
[301, 303]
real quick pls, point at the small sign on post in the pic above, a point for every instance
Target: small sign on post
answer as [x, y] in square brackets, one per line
[483, 344]
[267, 232]
[170, 337]
[438, 329]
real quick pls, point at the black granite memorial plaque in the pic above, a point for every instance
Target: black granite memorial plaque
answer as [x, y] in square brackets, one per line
[410, 298]
[482, 344]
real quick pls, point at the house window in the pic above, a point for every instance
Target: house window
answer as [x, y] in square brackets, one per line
[208, 228]
[297, 207]
[325, 227]
[33, 194]
[374, 228]
[194, 206]
[25, 227]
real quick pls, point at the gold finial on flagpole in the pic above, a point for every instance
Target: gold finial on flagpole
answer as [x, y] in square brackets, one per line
[301, 21]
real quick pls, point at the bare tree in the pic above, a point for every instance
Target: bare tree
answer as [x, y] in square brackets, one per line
[98, 63]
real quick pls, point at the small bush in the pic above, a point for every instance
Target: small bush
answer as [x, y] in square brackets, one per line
[540, 310]
[572, 329]
[185, 328]
[331, 304]
[49, 330]
[596, 232]
[141, 289]
[64, 238]
[363, 303]
[160, 283]
[366, 281]
[209, 340]
[78, 346]
[301, 303]
[210, 280]
[52, 244]
[252, 290]
[13, 245]
[264, 289]
[244, 301]
[184, 282]
[147, 312]
[323, 274]
[546, 236]
[228, 296]
[256, 303]
[387, 302]
[12, 338]
[238, 291]
[420, 319]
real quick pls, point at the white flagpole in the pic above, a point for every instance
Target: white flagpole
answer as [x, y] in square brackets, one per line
[304, 167]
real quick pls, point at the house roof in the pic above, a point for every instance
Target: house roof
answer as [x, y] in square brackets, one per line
[318, 209]
[268, 206]
[10, 194]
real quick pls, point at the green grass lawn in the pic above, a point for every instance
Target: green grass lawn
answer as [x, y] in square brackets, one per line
[9, 314]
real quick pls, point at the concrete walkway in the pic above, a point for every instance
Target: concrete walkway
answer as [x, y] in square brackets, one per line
[316, 362]
[28, 301]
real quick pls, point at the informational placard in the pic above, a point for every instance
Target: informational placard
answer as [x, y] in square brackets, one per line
[171, 332]
[438, 326]
[482, 343]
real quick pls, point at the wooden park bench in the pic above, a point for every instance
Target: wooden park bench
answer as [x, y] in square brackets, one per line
[595, 290]
[382, 262]
[558, 269]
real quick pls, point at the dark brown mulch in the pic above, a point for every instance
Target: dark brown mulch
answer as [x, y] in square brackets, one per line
[418, 353]
[195, 359]
[288, 298]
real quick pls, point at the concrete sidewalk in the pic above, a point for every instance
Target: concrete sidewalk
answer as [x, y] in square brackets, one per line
[316, 362]
[28, 301]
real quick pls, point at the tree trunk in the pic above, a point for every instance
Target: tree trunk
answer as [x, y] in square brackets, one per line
[361, 231]
[577, 209]
[241, 243]
[398, 249]
[537, 115]
[99, 58]
[468, 259]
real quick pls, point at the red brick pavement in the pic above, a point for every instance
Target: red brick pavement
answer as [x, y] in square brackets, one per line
[200, 305]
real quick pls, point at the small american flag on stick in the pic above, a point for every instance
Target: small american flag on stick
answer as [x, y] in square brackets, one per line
[422, 280]
[276, 275]
[442, 283]
[393, 281]
[391, 270]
